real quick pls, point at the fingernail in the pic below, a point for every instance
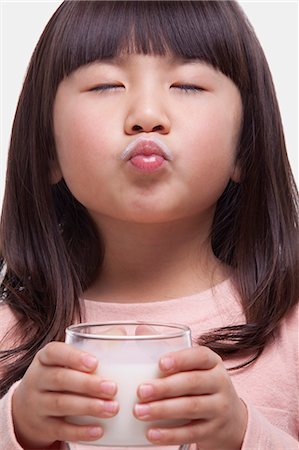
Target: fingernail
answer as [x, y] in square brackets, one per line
[108, 387]
[95, 432]
[146, 390]
[167, 362]
[110, 407]
[155, 435]
[89, 361]
[142, 410]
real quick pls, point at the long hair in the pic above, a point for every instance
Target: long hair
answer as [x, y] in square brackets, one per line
[50, 247]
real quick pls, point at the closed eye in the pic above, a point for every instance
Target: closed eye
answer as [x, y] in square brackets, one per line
[188, 88]
[105, 87]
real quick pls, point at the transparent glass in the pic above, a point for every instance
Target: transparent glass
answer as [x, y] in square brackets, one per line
[128, 354]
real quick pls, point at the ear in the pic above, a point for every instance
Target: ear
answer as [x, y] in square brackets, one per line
[236, 173]
[55, 172]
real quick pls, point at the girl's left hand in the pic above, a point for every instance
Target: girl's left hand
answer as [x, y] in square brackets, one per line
[196, 387]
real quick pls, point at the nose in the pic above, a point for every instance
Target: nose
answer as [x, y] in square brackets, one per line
[147, 114]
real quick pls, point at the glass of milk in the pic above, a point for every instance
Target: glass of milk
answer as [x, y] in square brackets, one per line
[128, 354]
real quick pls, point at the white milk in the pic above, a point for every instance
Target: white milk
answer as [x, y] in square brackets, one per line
[124, 429]
[128, 372]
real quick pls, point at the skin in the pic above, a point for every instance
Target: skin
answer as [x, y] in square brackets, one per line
[196, 387]
[157, 244]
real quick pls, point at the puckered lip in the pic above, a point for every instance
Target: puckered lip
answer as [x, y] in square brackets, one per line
[146, 147]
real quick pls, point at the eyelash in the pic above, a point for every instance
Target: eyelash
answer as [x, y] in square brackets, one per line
[187, 88]
[104, 87]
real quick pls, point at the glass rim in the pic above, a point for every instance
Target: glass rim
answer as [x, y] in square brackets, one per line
[180, 330]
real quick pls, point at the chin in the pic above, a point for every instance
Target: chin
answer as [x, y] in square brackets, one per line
[152, 217]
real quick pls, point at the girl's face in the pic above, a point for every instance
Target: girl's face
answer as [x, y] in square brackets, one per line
[151, 97]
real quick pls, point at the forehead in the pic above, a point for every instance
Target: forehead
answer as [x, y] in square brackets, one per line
[165, 62]
[135, 67]
[101, 30]
[115, 34]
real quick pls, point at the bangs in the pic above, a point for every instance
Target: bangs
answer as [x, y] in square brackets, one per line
[97, 30]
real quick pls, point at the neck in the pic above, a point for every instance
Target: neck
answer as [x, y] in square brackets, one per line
[148, 262]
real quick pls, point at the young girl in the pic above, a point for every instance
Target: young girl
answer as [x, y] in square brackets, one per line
[148, 179]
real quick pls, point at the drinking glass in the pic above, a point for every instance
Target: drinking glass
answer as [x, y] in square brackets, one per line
[128, 354]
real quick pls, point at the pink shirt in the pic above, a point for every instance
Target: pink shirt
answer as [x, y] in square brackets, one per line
[269, 387]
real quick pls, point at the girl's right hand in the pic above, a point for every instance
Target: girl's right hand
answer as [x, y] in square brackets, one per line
[60, 382]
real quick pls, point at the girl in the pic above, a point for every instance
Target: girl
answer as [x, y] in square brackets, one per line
[148, 179]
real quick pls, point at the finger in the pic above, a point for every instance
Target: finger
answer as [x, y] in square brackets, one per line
[64, 355]
[196, 358]
[144, 330]
[116, 331]
[61, 379]
[195, 382]
[59, 405]
[196, 407]
[62, 431]
[187, 434]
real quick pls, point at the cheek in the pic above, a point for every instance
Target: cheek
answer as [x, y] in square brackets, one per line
[214, 126]
[222, 126]
[214, 144]
[212, 159]
[80, 142]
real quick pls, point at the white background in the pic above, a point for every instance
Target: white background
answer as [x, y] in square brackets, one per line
[275, 22]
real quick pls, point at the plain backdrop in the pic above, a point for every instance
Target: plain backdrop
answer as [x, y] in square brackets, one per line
[275, 22]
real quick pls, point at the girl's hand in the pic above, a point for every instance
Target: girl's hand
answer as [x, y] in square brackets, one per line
[60, 382]
[197, 387]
